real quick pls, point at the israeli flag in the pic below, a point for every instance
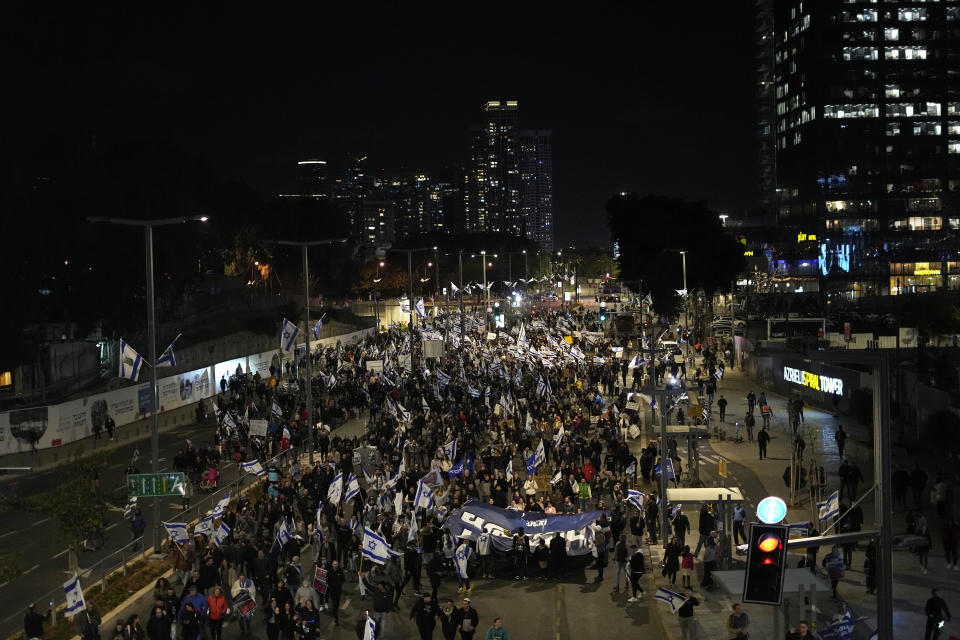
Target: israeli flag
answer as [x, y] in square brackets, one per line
[177, 531]
[283, 534]
[130, 362]
[414, 527]
[705, 414]
[424, 406]
[288, 335]
[275, 410]
[370, 629]
[317, 327]
[229, 421]
[74, 595]
[648, 300]
[205, 525]
[557, 438]
[167, 359]
[631, 469]
[221, 534]
[253, 467]
[718, 374]
[474, 392]
[675, 510]
[366, 474]
[541, 387]
[670, 475]
[672, 598]
[456, 471]
[392, 482]
[335, 491]
[443, 378]
[421, 310]
[454, 288]
[129, 508]
[540, 455]
[830, 508]
[375, 547]
[353, 488]
[522, 336]
[221, 506]
[460, 559]
[555, 480]
[508, 474]
[635, 498]
[404, 415]
[404, 305]
[424, 497]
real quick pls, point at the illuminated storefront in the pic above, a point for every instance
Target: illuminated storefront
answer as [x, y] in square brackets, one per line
[916, 277]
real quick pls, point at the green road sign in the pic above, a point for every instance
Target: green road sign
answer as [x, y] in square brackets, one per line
[150, 485]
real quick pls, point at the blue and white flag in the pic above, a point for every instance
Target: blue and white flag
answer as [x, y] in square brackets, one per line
[672, 598]
[557, 439]
[830, 508]
[335, 491]
[205, 525]
[456, 471]
[167, 359]
[221, 534]
[74, 595]
[460, 559]
[130, 362]
[275, 410]
[635, 498]
[353, 488]
[718, 374]
[522, 336]
[635, 362]
[675, 510]
[450, 449]
[473, 391]
[283, 534]
[631, 469]
[177, 531]
[424, 497]
[370, 629]
[253, 467]
[317, 327]
[366, 474]
[402, 413]
[414, 527]
[442, 377]
[375, 547]
[129, 508]
[555, 480]
[670, 474]
[288, 335]
[221, 505]
[536, 459]
[229, 421]
[404, 305]
[392, 482]
[421, 310]
[424, 406]
[508, 474]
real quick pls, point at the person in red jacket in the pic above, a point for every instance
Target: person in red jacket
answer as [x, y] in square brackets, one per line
[217, 603]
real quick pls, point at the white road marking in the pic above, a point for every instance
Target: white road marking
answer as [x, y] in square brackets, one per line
[39, 522]
[8, 533]
[112, 526]
[62, 553]
[33, 568]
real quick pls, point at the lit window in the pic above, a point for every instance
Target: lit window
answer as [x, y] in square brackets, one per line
[893, 128]
[905, 53]
[911, 14]
[953, 108]
[953, 146]
[953, 128]
[926, 128]
[891, 33]
[859, 53]
[892, 91]
[851, 111]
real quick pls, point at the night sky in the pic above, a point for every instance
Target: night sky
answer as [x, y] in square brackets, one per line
[654, 97]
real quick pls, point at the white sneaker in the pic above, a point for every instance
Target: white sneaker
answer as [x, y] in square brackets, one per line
[631, 599]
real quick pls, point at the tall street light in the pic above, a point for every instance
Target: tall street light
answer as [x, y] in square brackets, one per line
[306, 333]
[686, 297]
[148, 226]
[376, 291]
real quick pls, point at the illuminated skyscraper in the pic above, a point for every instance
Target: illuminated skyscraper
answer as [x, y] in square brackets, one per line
[536, 176]
[312, 179]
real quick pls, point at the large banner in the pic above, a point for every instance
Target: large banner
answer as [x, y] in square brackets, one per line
[474, 518]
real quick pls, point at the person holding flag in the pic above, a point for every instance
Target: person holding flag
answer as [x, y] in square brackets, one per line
[461, 559]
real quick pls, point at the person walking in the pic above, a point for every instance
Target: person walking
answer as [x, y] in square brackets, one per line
[937, 611]
[382, 606]
[841, 437]
[751, 401]
[949, 536]
[465, 620]
[762, 439]
[603, 556]
[739, 517]
[243, 588]
[689, 627]
[424, 614]
[722, 405]
[750, 423]
[681, 526]
[833, 563]
[558, 556]
[621, 557]
[637, 569]
[704, 527]
[497, 632]
[737, 623]
[217, 612]
[335, 579]
[686, 566]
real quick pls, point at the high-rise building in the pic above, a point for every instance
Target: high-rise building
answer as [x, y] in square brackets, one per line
[867, 143]
[378, 220]
[312, 179]
[494, 193]
[536, 176]
[509, 181]
[349, 191]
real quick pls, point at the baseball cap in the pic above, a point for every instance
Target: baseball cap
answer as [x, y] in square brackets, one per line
[466, 599]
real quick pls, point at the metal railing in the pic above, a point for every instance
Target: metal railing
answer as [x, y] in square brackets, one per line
[132, 552]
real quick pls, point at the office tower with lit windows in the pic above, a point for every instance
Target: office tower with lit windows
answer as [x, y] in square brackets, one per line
[866, 133]
[494, 193]
[536, 190]
[350, 190]
[312, 179]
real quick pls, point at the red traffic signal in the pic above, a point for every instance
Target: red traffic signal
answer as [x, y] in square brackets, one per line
[766, 564]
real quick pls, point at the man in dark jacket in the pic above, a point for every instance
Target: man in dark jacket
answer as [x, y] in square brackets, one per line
[362, 625]
[33, 623]
[558, 556]
[637, 569]
[705, 526]
[681, 525]
[382, 606]
[424, 614]
[435, 573]
[465, 619]
[335, 580]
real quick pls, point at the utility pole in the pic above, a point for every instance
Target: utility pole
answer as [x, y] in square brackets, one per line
[686, 318]
[460, 291]
[304, 246]
[148, 226]
[526, 272]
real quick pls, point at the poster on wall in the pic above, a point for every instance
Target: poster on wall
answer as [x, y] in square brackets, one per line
[184, 388]
[223, 370]
[27, 428]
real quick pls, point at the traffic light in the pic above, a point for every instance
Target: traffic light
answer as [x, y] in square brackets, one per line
[603, 317]
[766, 564]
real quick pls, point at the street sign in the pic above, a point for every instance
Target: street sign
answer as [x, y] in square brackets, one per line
[772, 510]
[722, 468]
[155, 485]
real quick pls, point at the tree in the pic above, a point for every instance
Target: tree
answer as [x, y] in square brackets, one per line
[78, 503]
[652, 230]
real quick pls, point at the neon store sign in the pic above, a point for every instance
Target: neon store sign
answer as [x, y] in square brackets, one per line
[814, 381]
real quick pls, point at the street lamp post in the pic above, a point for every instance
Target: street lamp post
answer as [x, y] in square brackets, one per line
[485, 287]
[148, 226]
[686, 298]
[306, 327]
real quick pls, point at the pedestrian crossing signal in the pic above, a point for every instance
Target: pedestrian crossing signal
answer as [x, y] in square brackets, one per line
[766, 564]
